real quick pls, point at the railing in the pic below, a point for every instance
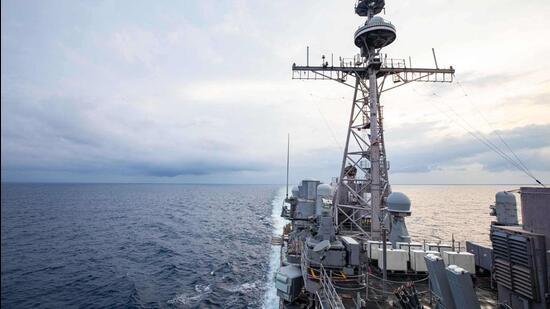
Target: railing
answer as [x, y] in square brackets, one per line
[394, 63]
[327, 293]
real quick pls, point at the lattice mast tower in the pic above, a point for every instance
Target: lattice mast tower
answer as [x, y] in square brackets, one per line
[363, 184]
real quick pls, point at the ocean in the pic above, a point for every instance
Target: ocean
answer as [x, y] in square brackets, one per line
[176, 246]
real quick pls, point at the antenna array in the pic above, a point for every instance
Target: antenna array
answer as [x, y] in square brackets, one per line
[363, 184]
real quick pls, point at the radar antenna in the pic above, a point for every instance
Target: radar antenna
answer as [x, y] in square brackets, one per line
[363, 184]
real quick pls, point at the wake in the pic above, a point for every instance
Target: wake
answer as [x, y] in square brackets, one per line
[271, 301]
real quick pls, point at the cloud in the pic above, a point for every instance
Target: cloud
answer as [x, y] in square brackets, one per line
[530, 144]
[200, 91]
[482, 80]
[541, 98]
[76, 135]
[198, 168]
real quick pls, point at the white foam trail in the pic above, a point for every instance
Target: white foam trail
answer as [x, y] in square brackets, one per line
[271, 301]
[184, 299]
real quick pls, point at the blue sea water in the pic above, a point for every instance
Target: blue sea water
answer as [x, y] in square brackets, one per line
[176, 246]
[135, 246]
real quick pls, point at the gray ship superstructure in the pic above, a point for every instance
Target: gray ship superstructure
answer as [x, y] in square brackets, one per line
[346, 244]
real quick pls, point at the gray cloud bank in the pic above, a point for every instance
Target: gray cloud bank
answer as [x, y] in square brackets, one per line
[69, 136]
[73, 135]
[528, 142]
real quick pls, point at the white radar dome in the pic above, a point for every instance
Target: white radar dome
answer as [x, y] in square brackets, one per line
[505, 197]
[398, 202]
[376, 33]
[324, 190]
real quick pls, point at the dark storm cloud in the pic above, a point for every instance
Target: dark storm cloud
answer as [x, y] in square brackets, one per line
[525, 141]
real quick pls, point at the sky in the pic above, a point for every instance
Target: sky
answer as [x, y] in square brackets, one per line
[201, 91]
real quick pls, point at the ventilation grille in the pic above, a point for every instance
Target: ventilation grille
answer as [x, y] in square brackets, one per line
[513, 263]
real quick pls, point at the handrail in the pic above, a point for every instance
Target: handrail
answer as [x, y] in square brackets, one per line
[331, 296]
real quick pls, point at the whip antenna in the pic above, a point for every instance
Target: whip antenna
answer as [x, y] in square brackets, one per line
[287, 161]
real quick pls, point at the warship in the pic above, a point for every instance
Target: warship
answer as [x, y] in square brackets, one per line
[346, 244]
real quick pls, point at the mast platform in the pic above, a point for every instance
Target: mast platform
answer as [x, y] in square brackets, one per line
[399, 73]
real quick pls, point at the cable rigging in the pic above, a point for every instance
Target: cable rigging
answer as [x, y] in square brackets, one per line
[517, 163]
[496, 132]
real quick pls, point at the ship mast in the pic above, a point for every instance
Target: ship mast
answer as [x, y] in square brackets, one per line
[363, 184]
